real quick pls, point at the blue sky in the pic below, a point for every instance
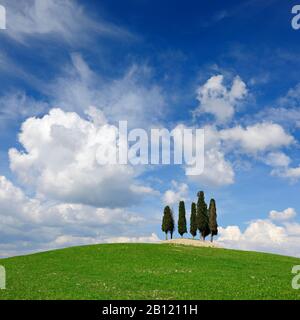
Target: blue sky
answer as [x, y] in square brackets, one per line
[231, 68]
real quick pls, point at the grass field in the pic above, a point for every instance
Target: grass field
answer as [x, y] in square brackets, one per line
[149, 271]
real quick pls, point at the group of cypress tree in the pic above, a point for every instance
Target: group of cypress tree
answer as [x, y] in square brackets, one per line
[202, 219]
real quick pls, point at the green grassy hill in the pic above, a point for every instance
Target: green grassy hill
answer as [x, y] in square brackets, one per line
[149, 271]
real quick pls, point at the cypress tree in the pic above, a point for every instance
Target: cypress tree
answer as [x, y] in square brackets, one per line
[172, 224]
[182, 219]
[213, 224]
[166, 221]
[202, 216]
[193, 221]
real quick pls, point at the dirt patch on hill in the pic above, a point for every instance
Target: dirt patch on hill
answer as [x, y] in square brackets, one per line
[191, 242]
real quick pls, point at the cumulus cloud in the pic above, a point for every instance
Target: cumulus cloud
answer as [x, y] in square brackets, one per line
[277, 159]
[259, 137]
[179, 192]
[217, 170]
[290, 173]
[215, 98]
[293, 228]
[29, 224]
[286, 214]
[63, 19]
[60, 160]
[261, 235]
[15, 204]
[265, 235]
[153, 238]
[68, 240]
[258, 233]
[261, 141]
[253, 140]
[284, 115]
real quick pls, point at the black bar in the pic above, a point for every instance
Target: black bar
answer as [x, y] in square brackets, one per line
[90, 310]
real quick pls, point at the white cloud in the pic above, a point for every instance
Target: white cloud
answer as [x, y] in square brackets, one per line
[135, 99]
[263, 235]
[60, 161]
[230, 233]
[14, 204]
[291, 99]
[263, 231]
[293, 228]
[288, 173]
[217, 170]
[29, 224]
[67, 241]
[131, 97]
[287, 116]
[286, 111]
[286, 214]
[20, 247]
[277, 159]
[17, 105]
[215, 98]
[143, 239]
[293, 173]
[179, 192]
[258, 137]
[64, 19]
[261, 141]
[258, 233]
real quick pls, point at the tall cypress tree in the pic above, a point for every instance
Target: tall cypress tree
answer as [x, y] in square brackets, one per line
[182, 219]
[193, 221]
[213, 224]
[172, 224]
[202, 216]
[167, 221]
